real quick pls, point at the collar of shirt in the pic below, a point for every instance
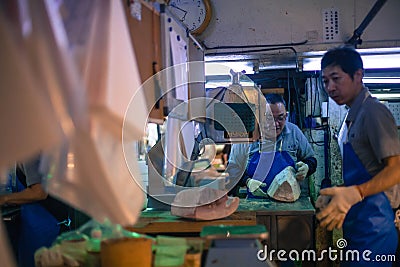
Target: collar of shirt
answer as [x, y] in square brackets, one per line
[286, 131]
[355, 107]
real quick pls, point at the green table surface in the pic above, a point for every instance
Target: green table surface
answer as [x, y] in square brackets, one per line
[303, 205]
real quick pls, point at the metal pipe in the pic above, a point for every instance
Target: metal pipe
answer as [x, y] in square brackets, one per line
[355, 39]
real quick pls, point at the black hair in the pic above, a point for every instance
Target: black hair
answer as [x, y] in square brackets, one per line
[346, 57]
[274, 99]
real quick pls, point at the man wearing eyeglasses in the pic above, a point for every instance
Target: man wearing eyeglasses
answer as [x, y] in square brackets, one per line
[289, 148]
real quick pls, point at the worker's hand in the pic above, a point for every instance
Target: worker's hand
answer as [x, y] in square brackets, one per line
[343, 198]
[322, 202]
[397, 219]
[48, 257]
[254, 187]
[301, 170]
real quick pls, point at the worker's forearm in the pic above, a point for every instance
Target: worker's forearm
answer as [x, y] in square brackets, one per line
[312, 165]
[35, 193]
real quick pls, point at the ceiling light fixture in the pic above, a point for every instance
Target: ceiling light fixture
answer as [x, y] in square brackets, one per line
[383, 58]
[379, 80]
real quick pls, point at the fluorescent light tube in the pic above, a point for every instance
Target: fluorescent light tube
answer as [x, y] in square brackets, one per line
[381, 61]
[381, 79]
[386, 96]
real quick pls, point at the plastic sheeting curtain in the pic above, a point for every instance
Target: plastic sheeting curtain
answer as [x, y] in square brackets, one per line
[67, 96]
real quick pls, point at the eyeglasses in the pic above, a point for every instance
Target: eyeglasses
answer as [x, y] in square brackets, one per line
[276, 119]
[281, 118]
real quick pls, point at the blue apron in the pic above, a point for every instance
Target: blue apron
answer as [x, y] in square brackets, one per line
[266, 171]
[368, 224]
[38, 228]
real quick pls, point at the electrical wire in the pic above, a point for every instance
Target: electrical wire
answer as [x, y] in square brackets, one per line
[317, 97]
[288, 87]
[312, 107]
[297, 104]
[253, 46]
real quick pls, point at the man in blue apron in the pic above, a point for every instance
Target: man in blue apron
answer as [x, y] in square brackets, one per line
[40, 214]
[371, 158]
[259, 162]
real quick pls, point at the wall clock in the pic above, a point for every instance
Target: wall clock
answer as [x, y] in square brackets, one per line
[194, 14]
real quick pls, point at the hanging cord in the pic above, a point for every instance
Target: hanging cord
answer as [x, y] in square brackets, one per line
[297, 104]
[317, 143]
[288, 86]
[253, 46]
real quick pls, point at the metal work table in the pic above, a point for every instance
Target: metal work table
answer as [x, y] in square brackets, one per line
[290, 225]
[162, 222]
[266, 206]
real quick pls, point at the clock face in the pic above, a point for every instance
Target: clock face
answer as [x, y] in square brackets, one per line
[195, 14]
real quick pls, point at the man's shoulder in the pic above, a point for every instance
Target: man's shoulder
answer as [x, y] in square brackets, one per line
[293, 128]
[373, 107]
[291, 125]
[371, 101]
[294, 132]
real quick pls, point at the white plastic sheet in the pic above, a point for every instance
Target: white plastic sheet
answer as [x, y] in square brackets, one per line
[96, 174]
[27, 119]
[74, 110]
[71, 110]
